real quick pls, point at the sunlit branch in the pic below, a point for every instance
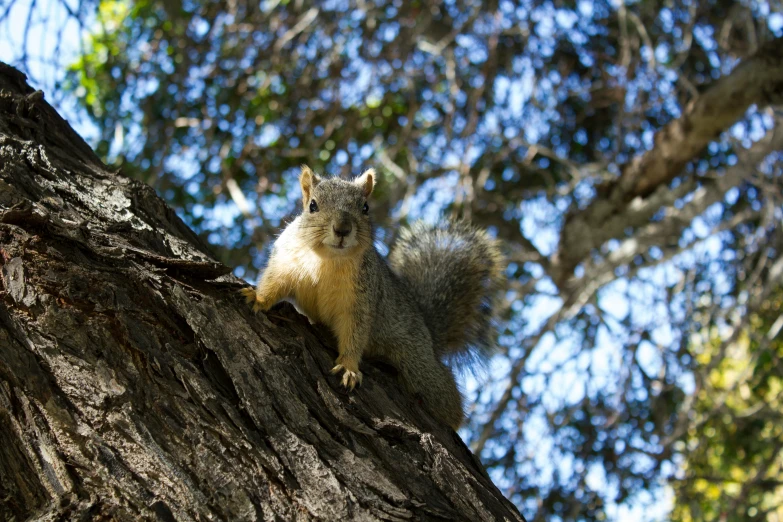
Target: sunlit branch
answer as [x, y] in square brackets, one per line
[668, 230]
[754, 81]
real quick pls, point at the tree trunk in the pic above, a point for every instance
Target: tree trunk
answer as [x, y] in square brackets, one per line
[135, 384]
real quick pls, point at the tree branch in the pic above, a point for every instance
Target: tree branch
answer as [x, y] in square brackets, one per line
[757, 80]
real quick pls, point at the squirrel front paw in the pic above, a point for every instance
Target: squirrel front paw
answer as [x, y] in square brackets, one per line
[351, 377]
[252, 298]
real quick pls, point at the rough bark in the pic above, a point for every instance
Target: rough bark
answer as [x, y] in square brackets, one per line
[135, 384]
[632, 199]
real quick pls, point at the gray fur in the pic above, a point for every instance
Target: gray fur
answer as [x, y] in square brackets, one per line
[454, 273]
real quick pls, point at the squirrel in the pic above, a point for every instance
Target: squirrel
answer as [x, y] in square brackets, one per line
[432, 300]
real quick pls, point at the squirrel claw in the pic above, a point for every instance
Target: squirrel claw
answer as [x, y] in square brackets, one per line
[350, 378]
[249, 294]
[251, 297]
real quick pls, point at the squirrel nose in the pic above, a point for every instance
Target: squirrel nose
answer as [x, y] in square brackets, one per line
[342, 229]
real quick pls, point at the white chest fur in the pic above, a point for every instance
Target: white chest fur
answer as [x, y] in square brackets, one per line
[323, 287]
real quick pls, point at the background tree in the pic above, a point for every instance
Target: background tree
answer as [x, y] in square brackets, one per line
[734, 468]
[627, 154]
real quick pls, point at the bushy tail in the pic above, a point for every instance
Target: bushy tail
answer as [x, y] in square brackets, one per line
[455, 272]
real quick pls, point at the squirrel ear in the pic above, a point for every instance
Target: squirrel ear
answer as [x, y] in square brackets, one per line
[366, 182]
[308, 180]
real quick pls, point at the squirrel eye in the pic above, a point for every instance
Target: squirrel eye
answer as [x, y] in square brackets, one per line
[313, 206]
[365, 208]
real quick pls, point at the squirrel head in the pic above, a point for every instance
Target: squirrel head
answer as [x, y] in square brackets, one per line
[336, 213]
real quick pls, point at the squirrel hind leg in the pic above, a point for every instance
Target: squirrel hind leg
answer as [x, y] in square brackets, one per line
[435, 384]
